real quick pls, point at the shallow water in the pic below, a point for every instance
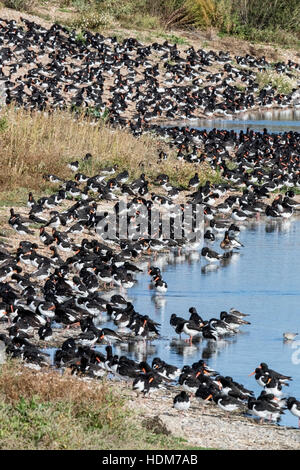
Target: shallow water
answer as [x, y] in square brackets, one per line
[263, 280]
[277, 120]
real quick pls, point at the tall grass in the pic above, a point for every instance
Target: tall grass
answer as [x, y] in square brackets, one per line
[249, 19]
[270, 21]
[273, 14]
[46, 410]
[50, 411]
[269, 14]
[37, 143]
[99, 14]
[201, 13]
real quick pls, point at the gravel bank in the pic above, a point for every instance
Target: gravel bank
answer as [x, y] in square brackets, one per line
[206, 425]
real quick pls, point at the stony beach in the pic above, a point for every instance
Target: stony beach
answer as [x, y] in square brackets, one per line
[205, 426]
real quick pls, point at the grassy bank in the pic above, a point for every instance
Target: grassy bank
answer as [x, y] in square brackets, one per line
[34, 144]
[276, 21]
[44, 410]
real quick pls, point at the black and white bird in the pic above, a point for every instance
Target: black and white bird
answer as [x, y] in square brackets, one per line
[210, 255]
[191, 329]
[238, 215]
[45, 332]
[294, 406]
[227, 403]
[263, 409]
[181, 402]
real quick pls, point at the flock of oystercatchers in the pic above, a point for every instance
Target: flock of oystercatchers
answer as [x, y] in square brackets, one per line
[56, 278]
[136, 84]
[229, 395]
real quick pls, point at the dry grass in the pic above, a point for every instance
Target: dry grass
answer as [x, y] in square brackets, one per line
[282, 83]
[44, 410]
[61, 411]
[18, 381]
[34, 144]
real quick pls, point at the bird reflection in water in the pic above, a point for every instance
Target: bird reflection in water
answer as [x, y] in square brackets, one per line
[184, 349]
[159, 302]
[139, 350]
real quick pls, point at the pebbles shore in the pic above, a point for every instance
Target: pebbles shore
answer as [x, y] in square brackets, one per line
[207, 426]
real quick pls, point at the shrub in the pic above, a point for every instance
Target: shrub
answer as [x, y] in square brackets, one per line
[22, 5]
[274, 13]
[92, 20]
[270, 21]
[201, 13]
[282, 83]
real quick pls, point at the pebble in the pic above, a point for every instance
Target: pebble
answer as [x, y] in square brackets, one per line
[206, 426]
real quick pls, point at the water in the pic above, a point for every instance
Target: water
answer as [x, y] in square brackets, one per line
[277, 120]
[262, 281]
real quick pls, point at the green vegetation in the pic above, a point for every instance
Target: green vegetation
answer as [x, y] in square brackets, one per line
[173, 39]
[44, 410]
[275, 21]
[3, 124]
[21, 5]
[272, 21]
[34, 144]
[282, 83]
